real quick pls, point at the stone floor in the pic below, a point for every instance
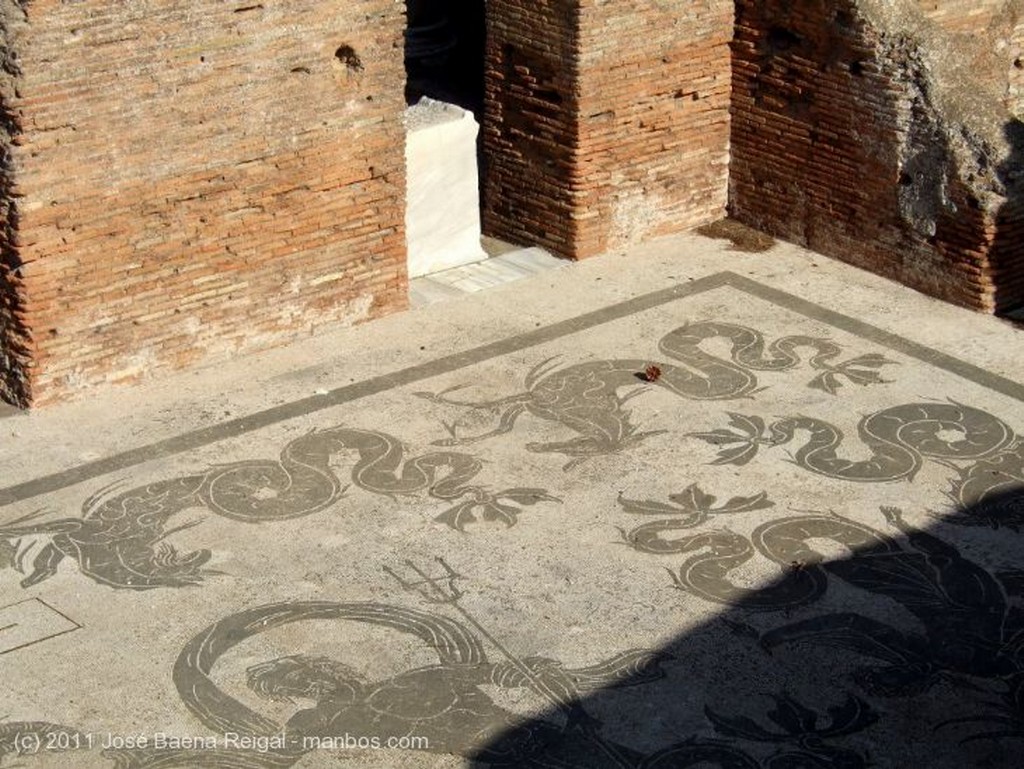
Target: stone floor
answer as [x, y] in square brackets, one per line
[505, 265]
[681, 506]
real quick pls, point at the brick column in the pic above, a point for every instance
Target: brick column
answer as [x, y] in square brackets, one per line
[606, 122]
[654, 82]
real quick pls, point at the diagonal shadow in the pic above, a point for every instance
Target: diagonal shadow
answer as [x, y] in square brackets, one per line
[908, 650]
[907, 653]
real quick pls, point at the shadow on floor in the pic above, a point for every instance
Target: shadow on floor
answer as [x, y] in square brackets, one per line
[907, 653]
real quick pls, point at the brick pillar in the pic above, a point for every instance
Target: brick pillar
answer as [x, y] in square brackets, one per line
[653, 153]
[605, 123]
[530, 122]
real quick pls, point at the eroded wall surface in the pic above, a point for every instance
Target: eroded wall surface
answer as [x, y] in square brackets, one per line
[989, 38]
[967, 16]
[15, 338]
[194, 180]
[1015, 84]
[850, 137]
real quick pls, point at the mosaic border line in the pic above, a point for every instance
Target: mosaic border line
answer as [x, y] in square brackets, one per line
[348, 393]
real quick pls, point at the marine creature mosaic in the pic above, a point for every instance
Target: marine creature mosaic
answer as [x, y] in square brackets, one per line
[695, 562]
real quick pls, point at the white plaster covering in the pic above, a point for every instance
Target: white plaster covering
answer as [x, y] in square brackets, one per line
[442, 215]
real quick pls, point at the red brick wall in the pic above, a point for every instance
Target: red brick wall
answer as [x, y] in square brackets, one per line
[1007, 253]
[182, 182]
[198, 179]
[654, 81]
[606, 123]
[838, 144]
[530, 122]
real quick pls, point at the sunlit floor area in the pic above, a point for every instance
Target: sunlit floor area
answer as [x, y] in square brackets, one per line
[701, 503]
[504, 264]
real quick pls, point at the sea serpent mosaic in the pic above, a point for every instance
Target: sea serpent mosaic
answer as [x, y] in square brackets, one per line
[900, 439]
[585, 397]
[121, 540]
[908, 650]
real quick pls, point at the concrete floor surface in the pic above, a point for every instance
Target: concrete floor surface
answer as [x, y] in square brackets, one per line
[679, 506]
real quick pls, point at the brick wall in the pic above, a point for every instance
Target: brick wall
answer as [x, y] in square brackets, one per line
[181, 182]
[654, 81]
[840, 142]
[530, 122]
[193, 180]
[1007, 251]
[606, 122]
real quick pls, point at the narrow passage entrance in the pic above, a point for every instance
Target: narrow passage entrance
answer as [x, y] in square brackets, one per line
[444, 50]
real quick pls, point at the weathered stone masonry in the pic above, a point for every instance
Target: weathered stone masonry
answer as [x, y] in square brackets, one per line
[182, 182]
[853, 136]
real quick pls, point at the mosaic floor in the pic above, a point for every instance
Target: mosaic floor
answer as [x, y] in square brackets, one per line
[715, 525]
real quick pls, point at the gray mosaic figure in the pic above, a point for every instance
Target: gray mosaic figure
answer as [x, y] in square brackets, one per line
[121, 540]
[971, 627]
[900, 439]
[971, 624]
[986, 454]
[444, 702]
[782, 541]
[585, 397]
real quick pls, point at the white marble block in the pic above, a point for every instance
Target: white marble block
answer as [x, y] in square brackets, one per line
[442, 215]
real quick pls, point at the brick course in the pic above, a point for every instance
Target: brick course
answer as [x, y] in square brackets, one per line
[606, 122]
[530, 125]
[193, 180]
[654, 83]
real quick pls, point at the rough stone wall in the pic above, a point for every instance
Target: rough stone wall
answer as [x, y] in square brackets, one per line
[192, 180]
[606, 122]
[988, 36]
[847, 139]
[15, 339]
[967, 16]
[654, 81]
[1015, 56]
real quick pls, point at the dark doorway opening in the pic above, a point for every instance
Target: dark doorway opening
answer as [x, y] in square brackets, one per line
[444, 52]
